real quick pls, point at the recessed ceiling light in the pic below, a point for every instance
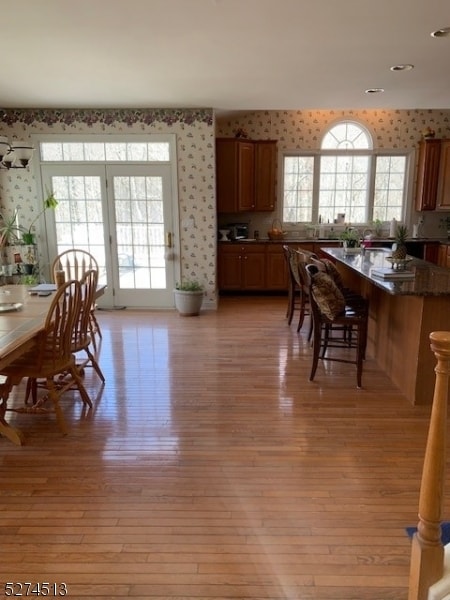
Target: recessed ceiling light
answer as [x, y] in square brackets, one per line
[444, 32]
[374, 91]
[406, 67]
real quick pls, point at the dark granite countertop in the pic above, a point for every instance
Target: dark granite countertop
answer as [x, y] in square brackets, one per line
[300, 240]
[429, 279]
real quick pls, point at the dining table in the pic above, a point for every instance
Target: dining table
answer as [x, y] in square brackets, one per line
[23, 311]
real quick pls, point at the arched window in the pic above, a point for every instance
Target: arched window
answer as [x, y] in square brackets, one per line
[347, 136]
[347, 176]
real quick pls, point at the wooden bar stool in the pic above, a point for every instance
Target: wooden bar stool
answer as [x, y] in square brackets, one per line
[298, 289]
[332, 314]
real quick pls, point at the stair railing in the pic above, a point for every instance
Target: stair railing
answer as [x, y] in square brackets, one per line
[427, 550]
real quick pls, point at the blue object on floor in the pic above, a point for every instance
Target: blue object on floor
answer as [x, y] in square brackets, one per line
[445, 532]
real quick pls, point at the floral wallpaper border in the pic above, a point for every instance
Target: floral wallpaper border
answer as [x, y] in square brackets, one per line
[91, 117]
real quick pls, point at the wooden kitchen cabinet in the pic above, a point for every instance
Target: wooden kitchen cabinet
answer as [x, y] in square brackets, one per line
[241, 266]
[245, 175]
[444, 256]
[265, 175]
[276, 268]
[428, 174]
[235, 180]
[254, 267]
[431, 252]
[443, 192]
[277, 274]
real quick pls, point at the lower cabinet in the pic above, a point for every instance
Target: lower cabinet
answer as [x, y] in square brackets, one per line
[254, 267]
[444, 256]
[431, 252]
[276, 271]
[261, 267]
[241, 266]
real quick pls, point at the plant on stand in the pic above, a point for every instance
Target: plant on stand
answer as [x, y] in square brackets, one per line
[9, 236]
[29, 238]
[29, 260]
[28, 235]
[9, 230]
[188, 297]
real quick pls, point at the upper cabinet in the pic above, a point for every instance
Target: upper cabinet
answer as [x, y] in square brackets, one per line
[433, 175]
[245, 175]
[427, 174]
[443, 192]
[265, 175]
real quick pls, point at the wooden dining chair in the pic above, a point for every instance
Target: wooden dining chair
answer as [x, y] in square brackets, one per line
[81, 339]
[82, 336]
[74, 263]
[51, 357]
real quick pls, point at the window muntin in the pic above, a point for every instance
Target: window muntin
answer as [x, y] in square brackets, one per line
[345, 176]
[343, 187]
[298, 188]
[105, 151]
[390, 183]
[346, 136]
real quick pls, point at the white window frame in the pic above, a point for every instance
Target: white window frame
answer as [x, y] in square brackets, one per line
[48, 249]
[372, 153]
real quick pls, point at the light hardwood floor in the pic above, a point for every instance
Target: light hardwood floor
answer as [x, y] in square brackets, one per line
[211, 468]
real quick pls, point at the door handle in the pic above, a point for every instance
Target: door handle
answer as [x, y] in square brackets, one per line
[168, 239]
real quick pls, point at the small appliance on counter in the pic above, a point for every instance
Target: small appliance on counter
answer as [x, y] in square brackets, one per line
[224, 235]
[238, 231]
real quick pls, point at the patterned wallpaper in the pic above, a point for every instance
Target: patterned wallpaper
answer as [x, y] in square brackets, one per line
[297, 129]
[194, 130]
[304, 129]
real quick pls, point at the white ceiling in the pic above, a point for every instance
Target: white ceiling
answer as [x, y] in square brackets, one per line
[223, 54]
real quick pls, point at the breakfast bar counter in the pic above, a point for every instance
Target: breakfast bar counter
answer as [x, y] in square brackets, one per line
[402, 314]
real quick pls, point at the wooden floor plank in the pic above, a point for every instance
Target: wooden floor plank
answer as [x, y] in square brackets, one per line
[211, 468]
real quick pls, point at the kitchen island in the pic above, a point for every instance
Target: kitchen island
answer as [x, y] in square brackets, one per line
[402, 314]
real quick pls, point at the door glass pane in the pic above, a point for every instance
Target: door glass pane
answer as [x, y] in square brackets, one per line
[138, 210]
[78, 220]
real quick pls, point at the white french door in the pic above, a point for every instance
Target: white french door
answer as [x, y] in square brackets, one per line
[123, 215]
[140, 216]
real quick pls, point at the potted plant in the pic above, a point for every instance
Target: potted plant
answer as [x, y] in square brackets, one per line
[399, 252]
[27, 234]
[29, 260]
[188, 297]
[378, 227]
[445, 224]
[29, 279]
[351, 240]
[9, 229]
